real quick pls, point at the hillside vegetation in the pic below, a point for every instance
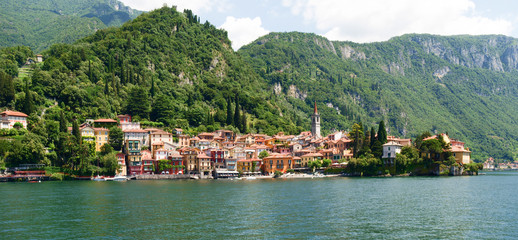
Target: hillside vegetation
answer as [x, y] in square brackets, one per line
[463, 85]
[41, 23]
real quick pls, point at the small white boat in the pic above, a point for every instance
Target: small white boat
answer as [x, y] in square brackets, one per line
[98, 178]
[120, 178]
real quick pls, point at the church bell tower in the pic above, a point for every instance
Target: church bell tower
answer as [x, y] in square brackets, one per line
[315, 123]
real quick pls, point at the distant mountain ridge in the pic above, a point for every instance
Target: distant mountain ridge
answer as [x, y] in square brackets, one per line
[464, 85]
[39, 24]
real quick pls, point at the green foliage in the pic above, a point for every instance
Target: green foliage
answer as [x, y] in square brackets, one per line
[39, 24]
[326, 162]
[315, 164]
[382, 133]
[411, 87]
[116, 138]
[263, 154]
[164, 165]
[57, 176]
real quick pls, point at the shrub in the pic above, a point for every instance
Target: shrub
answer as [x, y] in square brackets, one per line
[57, 176]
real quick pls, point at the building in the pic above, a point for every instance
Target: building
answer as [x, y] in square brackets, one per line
[249, 166]
[121, 160]
[390, 150]
[105, 123]
[204, 164]
[126, 123]
[315, 123]
[176, 163]
[306, 158]
[160, 136]
[102, 136]
[137, 134]
[277, 162]
[9, 118]
[134, 156]
[148, 163]
[189, 159]
[461, 154]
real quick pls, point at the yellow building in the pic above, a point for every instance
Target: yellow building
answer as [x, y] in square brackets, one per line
[310, 157]
[101, 138]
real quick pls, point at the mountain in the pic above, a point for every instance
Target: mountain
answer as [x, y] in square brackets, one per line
[165, 67]
[463, 85]
[41, 23]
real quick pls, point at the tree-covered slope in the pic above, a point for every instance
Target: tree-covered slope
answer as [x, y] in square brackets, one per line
[163, 66]
[41, 23]
[463, 85]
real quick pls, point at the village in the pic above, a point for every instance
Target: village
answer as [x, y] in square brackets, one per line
[225, 154]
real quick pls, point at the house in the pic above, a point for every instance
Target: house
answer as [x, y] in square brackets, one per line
[390, 150]
[189, 159]
[218, 158]
[176, 162]
[277, 162]
[178, 131]
[183, 140]
[249, 166]
[160, 136]
[39, 58]
[121, 160]
[461, 154]
[105, 123]
[87, 133]
[126, 123]
[148, 163]
[204, 164]
[403, 141]
[101, 137]
[137, 134]
[9, 118]
[134, 156]
[306, 158]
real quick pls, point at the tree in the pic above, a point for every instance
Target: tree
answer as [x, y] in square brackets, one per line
[377, 149]
[229, 113]
[7, 92]
[116, 137]
[28, 150]
[382, 133]
[314, 164]
[356, 135]
[106, 149]
[28, 103]
[62, 123]
[263, 154]
[326, 162]
[76, 132]
[373, 137]
[244, 127]
[137, 103]
[237, 115]
[164, 165]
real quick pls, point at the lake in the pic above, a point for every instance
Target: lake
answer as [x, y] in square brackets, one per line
[470, 207]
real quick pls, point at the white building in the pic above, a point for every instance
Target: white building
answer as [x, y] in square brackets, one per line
[137, 134]
[9, 118]
[390, 150]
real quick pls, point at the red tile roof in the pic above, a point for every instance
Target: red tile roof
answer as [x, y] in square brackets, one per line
[105, 120]
[14, 113]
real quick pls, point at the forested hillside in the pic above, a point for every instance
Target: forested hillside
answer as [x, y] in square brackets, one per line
[463, 85]
[41, 23]
[163, 67]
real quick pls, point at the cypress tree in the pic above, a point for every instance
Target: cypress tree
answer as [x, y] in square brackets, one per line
[7, 92]
[76, 132]
[229, 113]
[28, 104]
[152, 90]
[237, 115]
[106, 89]
[382, 133]
[62, 122]
[373, 136]
[244, 127]
[90, 76]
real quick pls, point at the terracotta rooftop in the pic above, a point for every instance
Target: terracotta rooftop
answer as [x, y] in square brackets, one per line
[105, 120]
[13, 113]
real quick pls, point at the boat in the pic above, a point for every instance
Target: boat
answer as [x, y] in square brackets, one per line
[98, 178]
[120, 178]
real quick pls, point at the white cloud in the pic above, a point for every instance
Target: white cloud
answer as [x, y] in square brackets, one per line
[242, 31]
[379, 20]
[197, 6]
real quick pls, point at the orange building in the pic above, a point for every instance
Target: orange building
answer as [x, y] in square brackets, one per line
[277, 162]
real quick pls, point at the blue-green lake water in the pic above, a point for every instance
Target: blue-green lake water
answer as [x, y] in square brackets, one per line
[471, 207]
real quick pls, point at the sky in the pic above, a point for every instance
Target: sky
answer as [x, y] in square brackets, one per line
[349, 20]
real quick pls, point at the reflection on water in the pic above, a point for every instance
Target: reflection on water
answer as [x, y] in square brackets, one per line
[367, 208]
